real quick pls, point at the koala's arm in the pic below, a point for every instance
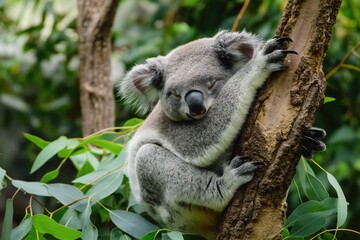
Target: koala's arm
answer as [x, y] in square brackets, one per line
[168, 179]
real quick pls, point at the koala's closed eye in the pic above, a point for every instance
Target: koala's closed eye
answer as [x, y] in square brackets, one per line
[211, 84]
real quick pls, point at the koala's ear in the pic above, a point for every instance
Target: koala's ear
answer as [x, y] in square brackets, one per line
[142, 84]
[233, 48]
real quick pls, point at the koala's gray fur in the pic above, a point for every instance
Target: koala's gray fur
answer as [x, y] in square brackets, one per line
[179, 162]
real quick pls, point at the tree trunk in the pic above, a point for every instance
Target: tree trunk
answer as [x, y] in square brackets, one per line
[94, 24]
[285, 107]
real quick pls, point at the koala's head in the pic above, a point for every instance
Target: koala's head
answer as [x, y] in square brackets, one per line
[189, 78]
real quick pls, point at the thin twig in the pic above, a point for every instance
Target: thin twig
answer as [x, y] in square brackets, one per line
[341, 64]
[240, 15]
[335, 230]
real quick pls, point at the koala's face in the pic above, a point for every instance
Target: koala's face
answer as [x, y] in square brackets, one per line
[189, 78]
[192, 77]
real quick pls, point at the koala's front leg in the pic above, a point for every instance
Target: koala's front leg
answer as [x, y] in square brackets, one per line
[166, 178]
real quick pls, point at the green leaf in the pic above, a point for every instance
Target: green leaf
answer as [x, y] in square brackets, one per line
[329, 99]
[35, 188]
[48, 152]
[79, 160]
[71, 219]
[151, 235]
[2, 175]
[314, 189]
[175, 235]
[50, 176]
[309, 207]
[41, 143]
[86, 169]
[71, 145]
[310, 223]
[102, 171]
[44, 224]
[342, 203]
[106, 185]
[8, 218]
[312, 186]
[111, 146]
[133, 122]
[67, 194]
[89, 231]
[33, 234]
[23, 229]
[132, 223]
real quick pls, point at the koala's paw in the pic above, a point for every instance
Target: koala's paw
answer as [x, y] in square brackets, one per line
[311, 142]
[241, 169]
[274, 51]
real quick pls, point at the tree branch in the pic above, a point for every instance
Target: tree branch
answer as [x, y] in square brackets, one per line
[286, 107]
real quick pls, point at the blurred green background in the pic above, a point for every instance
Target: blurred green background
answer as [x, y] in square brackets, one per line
[39, 90]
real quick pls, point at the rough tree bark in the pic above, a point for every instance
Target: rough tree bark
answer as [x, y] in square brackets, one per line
[95, 19]
[285, 108]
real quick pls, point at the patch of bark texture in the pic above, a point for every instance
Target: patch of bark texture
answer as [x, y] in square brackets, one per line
[94, 24]
[285, 108]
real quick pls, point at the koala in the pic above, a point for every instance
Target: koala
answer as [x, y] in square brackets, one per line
[180, 162]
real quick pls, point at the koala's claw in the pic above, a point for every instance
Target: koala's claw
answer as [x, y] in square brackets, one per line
[244, 165]
[311, 142]
[276, 43]
[239, 160]
[289, 52]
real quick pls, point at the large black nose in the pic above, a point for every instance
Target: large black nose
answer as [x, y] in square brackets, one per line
[195, 101]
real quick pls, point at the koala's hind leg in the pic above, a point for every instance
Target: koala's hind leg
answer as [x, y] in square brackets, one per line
[166, 178]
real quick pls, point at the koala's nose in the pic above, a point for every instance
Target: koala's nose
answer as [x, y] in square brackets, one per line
[195, 101]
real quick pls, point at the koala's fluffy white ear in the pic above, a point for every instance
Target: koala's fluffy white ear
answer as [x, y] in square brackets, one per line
[233, 49]
[142, 84]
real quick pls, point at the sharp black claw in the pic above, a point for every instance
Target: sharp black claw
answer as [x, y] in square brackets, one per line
[258, 164]
[282, 39]
[289, 52]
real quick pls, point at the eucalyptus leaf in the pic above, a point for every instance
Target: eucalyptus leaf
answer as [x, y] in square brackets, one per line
[80, 159]
[22, 230]
[342, 204]
[151, 235]
[111, 146]
[133, 122]
[174, 235]
[48, 152]
[314, 189]
[329, 99]
[132, 223]
[8, 218]
[47, 225]
[49, 176]
[106, 185]
[102, 171]
[89, 231]
[41, 143]
[71, 219]
[2, 175]
[34, 188]
[309, 207]
[310, 223]
[67, 194]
